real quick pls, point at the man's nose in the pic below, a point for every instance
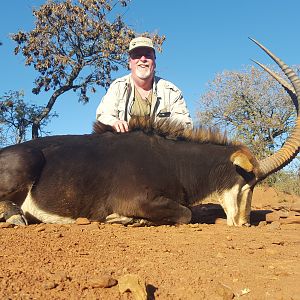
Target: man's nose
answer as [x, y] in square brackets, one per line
[143, 57]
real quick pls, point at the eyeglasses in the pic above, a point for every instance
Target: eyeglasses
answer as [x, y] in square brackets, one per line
[138, 54]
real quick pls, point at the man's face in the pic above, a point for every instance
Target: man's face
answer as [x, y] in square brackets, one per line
[142, 62]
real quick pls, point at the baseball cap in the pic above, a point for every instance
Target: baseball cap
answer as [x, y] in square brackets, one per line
[140, 42]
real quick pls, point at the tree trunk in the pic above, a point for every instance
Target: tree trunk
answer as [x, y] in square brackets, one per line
[35, 130]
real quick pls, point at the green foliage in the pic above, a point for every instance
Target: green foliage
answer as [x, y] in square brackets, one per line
[251, 106]
[285, 181]
[17, 117]
[76, 45]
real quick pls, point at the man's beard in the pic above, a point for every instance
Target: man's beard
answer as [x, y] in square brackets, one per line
[143, 74]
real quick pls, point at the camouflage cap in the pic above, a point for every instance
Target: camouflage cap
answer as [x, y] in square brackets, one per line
[140, 42]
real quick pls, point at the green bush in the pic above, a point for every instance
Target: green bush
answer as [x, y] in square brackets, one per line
[288, 182]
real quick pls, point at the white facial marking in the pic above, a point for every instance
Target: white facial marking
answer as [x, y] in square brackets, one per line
[230, 204]
[30, 207]
[237, 204]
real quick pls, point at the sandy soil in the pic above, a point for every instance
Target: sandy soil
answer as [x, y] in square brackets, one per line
[203, 260]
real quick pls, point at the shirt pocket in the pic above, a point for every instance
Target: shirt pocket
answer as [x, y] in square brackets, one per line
[121, 109]
[121, 105]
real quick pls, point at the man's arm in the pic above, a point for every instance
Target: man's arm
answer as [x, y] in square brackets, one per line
[107, 111]
[179, 111]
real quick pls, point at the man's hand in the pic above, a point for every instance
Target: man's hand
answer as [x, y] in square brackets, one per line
[120, 126]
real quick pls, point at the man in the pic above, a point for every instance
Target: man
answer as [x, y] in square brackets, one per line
[141, 93]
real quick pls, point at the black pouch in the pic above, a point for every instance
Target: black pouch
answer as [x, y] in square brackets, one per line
[164, 114]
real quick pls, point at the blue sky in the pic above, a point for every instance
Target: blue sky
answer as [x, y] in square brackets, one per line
[203, 38]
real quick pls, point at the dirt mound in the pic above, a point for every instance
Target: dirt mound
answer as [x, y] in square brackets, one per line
[204, 260]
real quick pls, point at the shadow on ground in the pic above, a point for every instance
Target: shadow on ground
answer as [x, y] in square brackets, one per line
[209, 213]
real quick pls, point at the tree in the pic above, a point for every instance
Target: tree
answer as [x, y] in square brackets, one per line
[251, 106]
[16, 116]
[76, 45]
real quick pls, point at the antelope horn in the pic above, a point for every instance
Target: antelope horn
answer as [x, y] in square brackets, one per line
[288, 87]
[290, 149]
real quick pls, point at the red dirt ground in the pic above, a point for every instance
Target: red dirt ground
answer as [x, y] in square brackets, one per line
[204, 260]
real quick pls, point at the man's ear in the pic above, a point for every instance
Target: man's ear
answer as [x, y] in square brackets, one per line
[129, 65]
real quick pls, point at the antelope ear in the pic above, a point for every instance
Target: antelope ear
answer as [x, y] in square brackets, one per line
[240, 159]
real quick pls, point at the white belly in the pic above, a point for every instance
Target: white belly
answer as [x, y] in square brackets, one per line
[29, 207]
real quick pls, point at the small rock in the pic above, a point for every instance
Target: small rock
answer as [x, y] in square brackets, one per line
[224, 291]
[134, 284]
[291, 220]
[293, 213]
[61, 276]
[270, 251]
[258, 206]
[262, 224]
[116, 225]
[271, 217]
[256, 246]
[58, 235]
[6, 225]
[230, 247]
[245, 291]
[49, 285]
[282, 273]
[280, 207]
[93, 226]
[283, 214]
[194, 225]
[197, 229]
[271, 267]
[296, 206]
[221, 221]
[278, 243]
[57, 249]
[274, 225]
[40, 227]
[104, 281]
[82, 221]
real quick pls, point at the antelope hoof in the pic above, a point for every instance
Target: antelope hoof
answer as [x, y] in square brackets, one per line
[118, 219]
[18, 219]
[134, 222]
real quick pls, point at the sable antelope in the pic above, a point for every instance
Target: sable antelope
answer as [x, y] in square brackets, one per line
[152, 174]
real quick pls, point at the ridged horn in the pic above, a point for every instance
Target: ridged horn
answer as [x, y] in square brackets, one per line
[288, 87]
[290, 149]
